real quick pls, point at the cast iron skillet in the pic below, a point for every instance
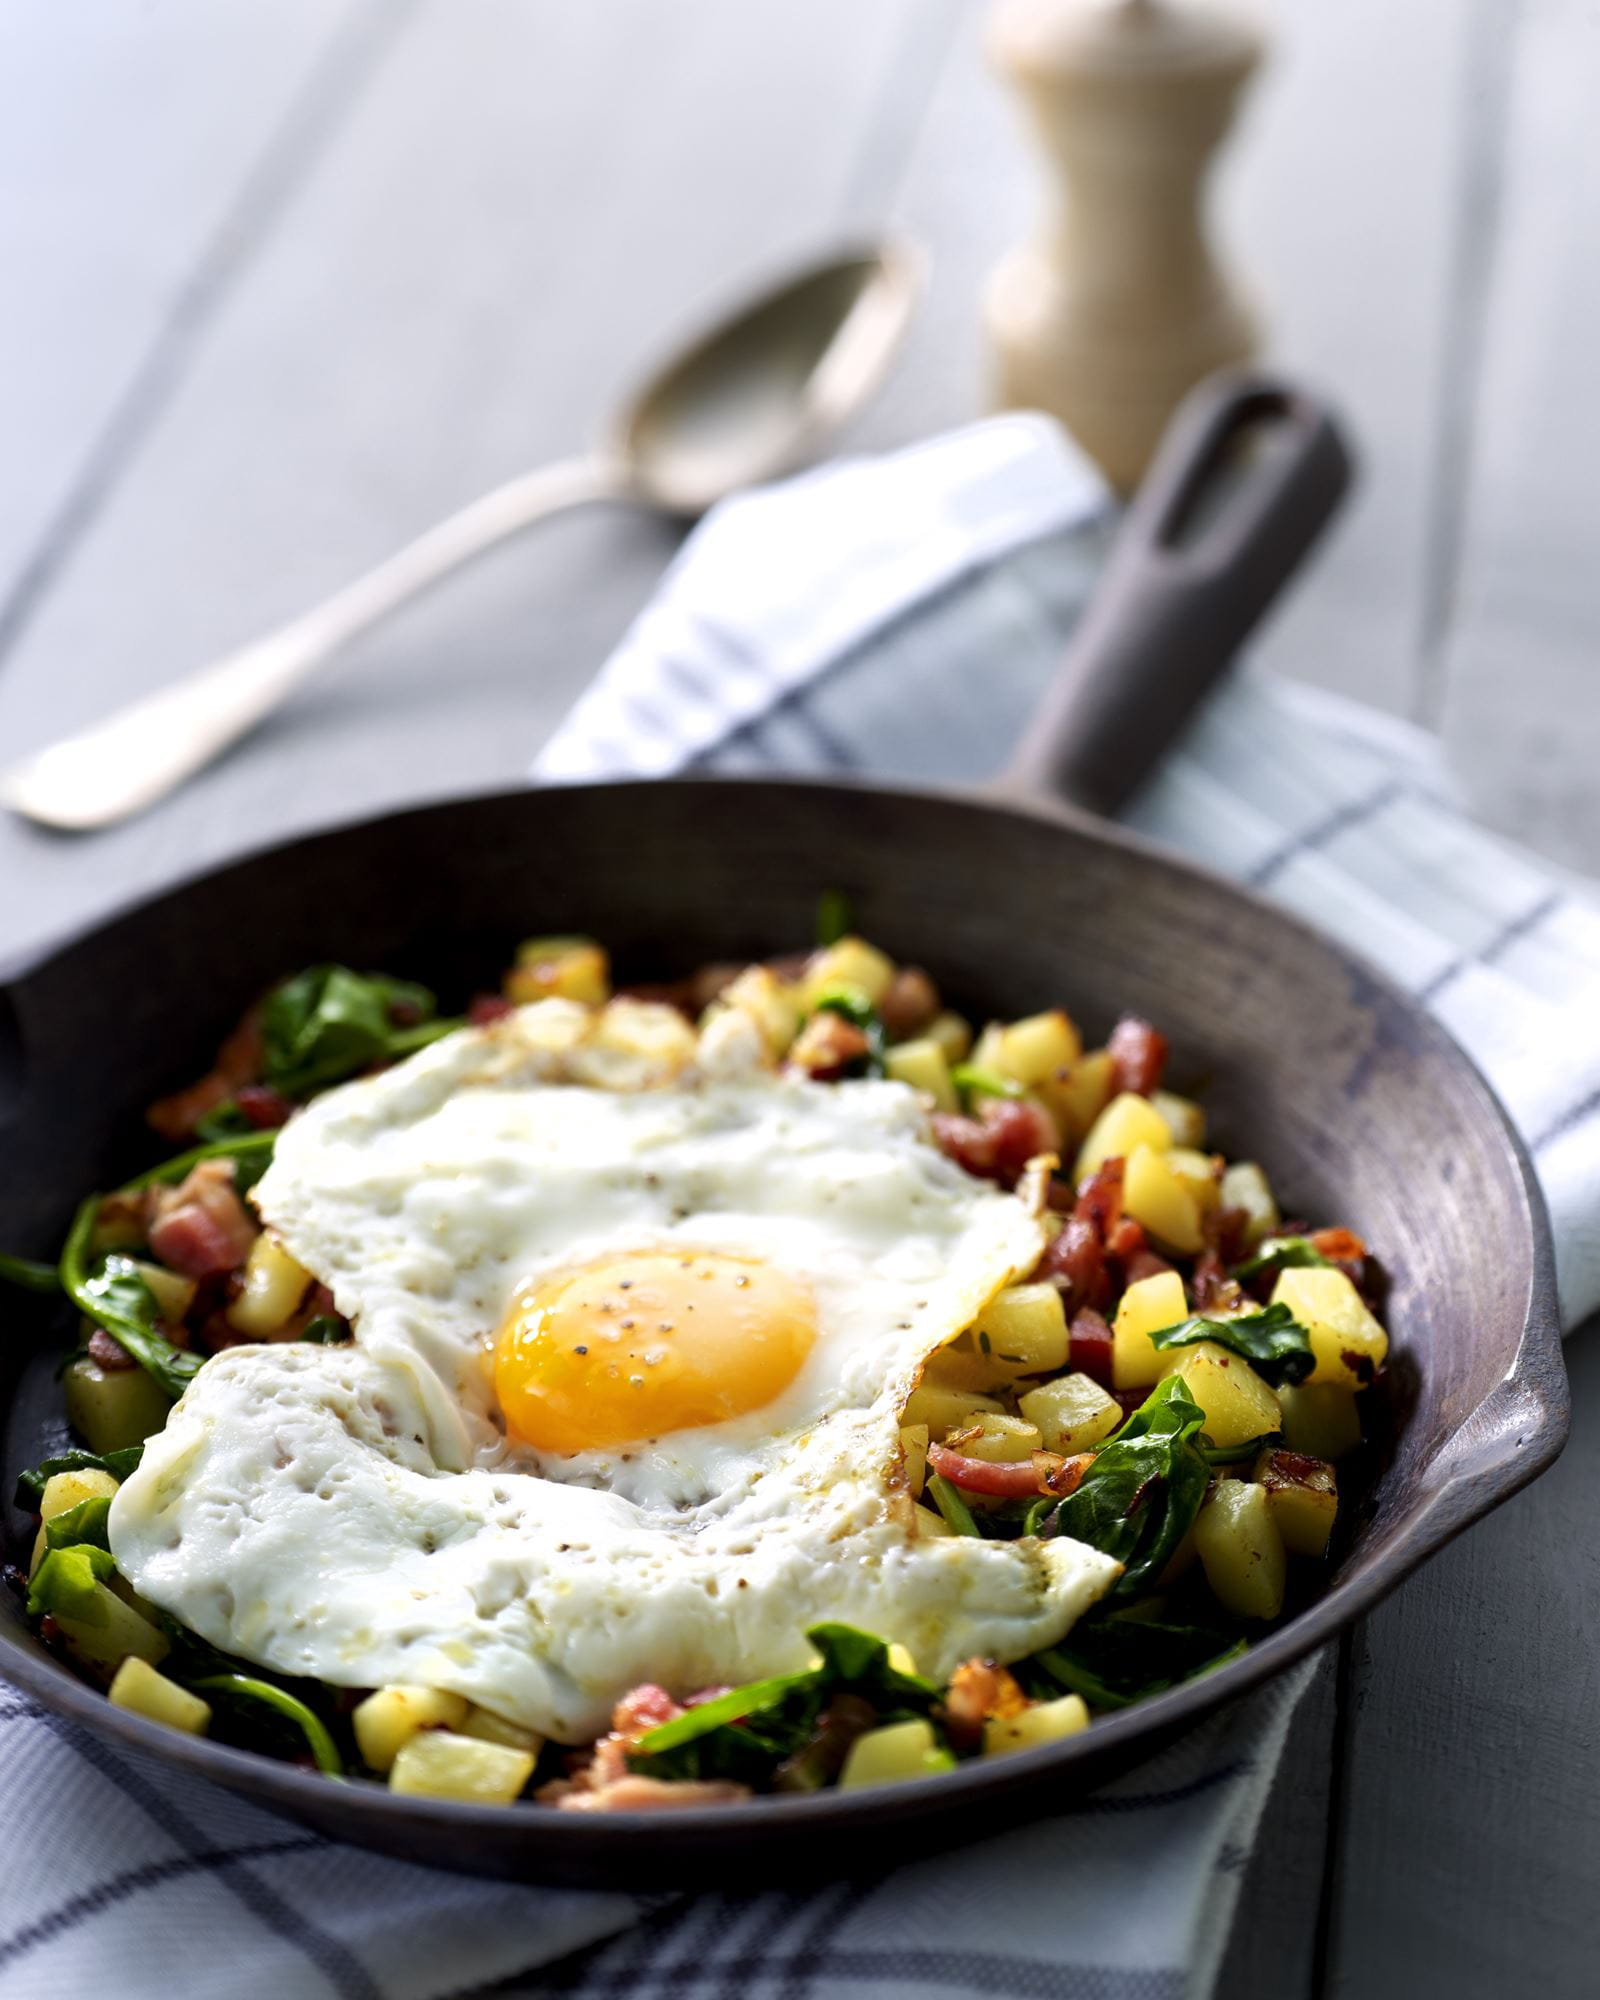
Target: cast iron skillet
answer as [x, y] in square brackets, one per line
[1361, 1107]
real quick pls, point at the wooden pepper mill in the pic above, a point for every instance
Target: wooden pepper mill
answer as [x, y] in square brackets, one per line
[1120, 306]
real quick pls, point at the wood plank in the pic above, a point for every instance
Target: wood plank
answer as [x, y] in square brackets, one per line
[524, 205]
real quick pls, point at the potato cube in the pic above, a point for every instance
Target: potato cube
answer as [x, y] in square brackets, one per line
[1238, 1405]
[892, 1754]
[138, 1687]
[1241, 1550]
[173, 1294]
[1185, 1119]
[1201, 1174]
[111, 1408]
[488, 1727]
[953, 1034]
[560, 968]
[274, 1285]
[1320, 1419]
[943, 1409]
[1246, 1187]
[65, 1490]
[914, 1449]
[108, 1634]
[999, 1439]
[393, 1715]
[959, 1365]
[925, 1523]
[1154, 1195]
[986, 1050]
[1147, 1306]
[1037, 1047]
[440, 1765]
[1024, 1326]
[922, 1064]
[762, 996]
[1304, 1496]
[1045, 1722]
[1078, 1094]
[1072, 1413]
[850, 962]
[1348, 1343]
[1127, 1123]
[646, 1030]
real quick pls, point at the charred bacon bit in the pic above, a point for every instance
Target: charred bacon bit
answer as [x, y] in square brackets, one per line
[487, 1007]
[238, 1063]
[820, 1760]
[1073, 1260]
[642, 1709]
[910, 1004]
[264, 1107]
[1340, 1246]
[1138, 1054]
[1089, 1346]
[1210, 1287]
[1061, 1476]
[108, 1353]
[827, 1046]
[1100, 1197]
[201, 1228]
[979, 1689]
[1144, 1263]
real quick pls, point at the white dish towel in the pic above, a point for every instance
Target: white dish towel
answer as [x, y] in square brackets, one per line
[897, 616]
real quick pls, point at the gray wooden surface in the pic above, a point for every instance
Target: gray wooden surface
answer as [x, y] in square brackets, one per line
[285, 283]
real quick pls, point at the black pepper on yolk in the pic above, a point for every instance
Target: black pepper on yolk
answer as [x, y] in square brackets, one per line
[636, 1346]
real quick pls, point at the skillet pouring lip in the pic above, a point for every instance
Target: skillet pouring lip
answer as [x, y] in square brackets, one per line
[1510, 1435]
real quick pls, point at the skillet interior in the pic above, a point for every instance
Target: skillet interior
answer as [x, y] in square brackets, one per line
[1362, 1109]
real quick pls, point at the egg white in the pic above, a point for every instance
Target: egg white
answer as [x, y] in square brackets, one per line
[357, 1515]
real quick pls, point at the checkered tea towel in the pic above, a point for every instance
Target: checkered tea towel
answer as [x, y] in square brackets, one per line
[897, 616]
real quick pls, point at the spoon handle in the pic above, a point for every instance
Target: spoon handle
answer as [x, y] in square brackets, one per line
[1247, 476]
[137, 755]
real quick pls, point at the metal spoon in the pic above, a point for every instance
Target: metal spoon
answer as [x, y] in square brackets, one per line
[753, 397]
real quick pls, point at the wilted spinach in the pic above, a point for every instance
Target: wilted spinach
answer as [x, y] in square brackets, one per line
[1112, 1659]
[114, 1296]
[31, 1277]
[1283, 1253]
[328, 1022]
[31, 1484]
[1273, 1341]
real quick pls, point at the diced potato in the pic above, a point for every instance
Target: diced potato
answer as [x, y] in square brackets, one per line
[922, 1064]
[172, 1293]
[953, 1033]
[41, 1548]
[1080, 1093]
[925, 1522]
[850, 962]
[1320, 1419]
[1147, 1306]
[1304, 1496]
[1045, 1722]
[1246, 1187]
[491, 1728]
[986, 1050]
[914, 1446]
[109, 1634]
[892, 1754]
[759, 993]
[943, 1409]
[1154, 1195]
[1025, 1326]
[1072, 1413]
[647, 1030]
[901, 1660]
[1348, 1343]
[393, 1715]
[1239, 1406]
[560, 968]
[1201, 1174]
[1035, 1048]
[440, 1765]
[959, 1365]
[65, 1490]
[1185, 1119]
[1127, 1123]
[1000, 1439]
[274, 1285]
[1241, 1550]
[138, 1687]
[111, 1408]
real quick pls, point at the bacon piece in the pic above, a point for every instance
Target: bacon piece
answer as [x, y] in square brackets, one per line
[1100, 1197]
[201, 1228]
[1023, 1479]
[487, 1007]
[909, 1005]
[1073, 1260]
[647, 1795]
[238, 1062]
[1059, 1475]
[1138, 1054]
[1340, 1246]
[642, 1709]
[827, 1045]
[978, 1690]
[1144, 1263]
[265, 1108]
[1089, 1346]
[108, 1352]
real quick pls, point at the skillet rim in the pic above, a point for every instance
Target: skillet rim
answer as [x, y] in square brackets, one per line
[1535, 1382]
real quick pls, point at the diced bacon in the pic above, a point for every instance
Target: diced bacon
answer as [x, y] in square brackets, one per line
[487, 1007]
[647, 1795]
[265, 1108]
[238, 1063]
[1089, 1346]
[827, 1046]
[642, 1709]
[1100, 1197]
[1072, 1260]
[978, 1690]
[909, 1005]
[1139, 1054]
[201, 1228]
[109, 1353]
[1341, 1246]
[998, 1144]
[1143, 1263]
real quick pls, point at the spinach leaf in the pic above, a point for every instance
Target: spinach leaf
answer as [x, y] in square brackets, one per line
[327, 1330]
[835, 918]
[973, 1080]
[64, 1584]
[745, 1733]
[1283, 1253]
[290, 1708]
[1139, 1498]
[328, 1022]
[852, 1005]
[250, 1152]
[30, 1276]
[1273, 1341]
[31, 1484]
[1113, 1660]
[83, 1525]
[227, 1121]
[114, 1296]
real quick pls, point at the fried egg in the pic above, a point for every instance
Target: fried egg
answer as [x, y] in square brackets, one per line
[635, 1320]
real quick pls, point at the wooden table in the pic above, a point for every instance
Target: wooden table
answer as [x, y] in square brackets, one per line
[287, 282]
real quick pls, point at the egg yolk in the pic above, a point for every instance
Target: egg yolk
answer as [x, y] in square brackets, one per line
[637, 1346]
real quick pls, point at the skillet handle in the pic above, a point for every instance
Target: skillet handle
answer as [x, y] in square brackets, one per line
[1248, 473]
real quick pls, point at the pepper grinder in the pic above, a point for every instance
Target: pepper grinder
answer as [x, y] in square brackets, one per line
[1120, 305]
